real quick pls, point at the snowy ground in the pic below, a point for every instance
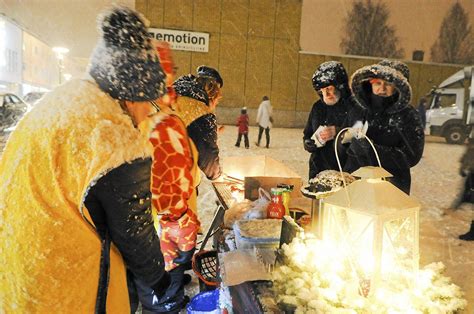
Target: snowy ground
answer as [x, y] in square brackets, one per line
[435, 183]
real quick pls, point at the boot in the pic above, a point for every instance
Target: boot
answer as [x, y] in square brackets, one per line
[469, 236]
[174, 299]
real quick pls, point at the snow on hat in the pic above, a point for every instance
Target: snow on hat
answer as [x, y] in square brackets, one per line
[331, 73]
[124, 62]
[204, 70]
[187, 85]
[397, 65]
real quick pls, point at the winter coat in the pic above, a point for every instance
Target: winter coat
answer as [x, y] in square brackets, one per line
[243, 123]
[175, 175]
[324, 158]
[75, 145]
[264, 114]
[192, 107]
[394, 126]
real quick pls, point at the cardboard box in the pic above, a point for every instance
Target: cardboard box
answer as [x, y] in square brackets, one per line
[261, 171]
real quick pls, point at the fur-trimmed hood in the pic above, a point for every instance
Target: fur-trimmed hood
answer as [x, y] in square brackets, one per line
[361, 88]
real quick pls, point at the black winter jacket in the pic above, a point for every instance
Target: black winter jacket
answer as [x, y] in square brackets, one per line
[324, 158]
[120, 203]
[203, 132]
[394, 126]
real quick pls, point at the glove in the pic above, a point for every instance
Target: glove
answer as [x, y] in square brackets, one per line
[162, 285]
[178, 239]
[184, 256]
[310, 145]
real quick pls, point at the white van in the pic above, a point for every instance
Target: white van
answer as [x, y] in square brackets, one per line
[449, 107]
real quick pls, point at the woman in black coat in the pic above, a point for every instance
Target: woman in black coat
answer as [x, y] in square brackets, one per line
[383, 100]
[330, 112]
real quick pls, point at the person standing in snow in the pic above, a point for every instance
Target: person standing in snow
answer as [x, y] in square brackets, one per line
[264, 120]
[383, 100]
[75, 193]
[327, 117]
[422, 111]
[174, 174]
[197, 99]
[243, 127]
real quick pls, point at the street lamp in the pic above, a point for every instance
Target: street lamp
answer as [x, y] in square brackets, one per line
[60, 53]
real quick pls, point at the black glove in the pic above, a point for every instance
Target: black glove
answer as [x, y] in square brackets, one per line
[162, 285]
[184, 256]
[309, 145]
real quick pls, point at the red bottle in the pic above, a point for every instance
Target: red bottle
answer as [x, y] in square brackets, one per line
[276, 209]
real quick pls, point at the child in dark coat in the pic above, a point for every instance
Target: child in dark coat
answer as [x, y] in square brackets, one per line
[243, 124]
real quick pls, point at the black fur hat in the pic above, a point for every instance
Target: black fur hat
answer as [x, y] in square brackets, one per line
[124, 63]
[204, 70]
[186, 85]
[331, 73]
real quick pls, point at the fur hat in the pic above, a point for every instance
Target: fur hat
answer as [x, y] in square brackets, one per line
[124, 63]
[331, 73]
[204, 70]
[398, 66]
[186, 85]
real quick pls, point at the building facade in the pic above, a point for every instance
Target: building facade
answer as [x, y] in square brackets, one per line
[255, 44]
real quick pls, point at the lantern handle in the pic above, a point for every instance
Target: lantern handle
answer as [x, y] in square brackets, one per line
[337, 155]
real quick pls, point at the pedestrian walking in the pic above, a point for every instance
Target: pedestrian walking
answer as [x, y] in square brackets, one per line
[264, 120]
[243, 127]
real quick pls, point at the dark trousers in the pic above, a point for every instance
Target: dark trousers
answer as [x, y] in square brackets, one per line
[246, 139]
[267, 135]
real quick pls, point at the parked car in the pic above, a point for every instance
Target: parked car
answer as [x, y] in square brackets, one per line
[32, 97]
[12, 108]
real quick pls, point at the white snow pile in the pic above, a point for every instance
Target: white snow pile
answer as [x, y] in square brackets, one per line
[312, 282]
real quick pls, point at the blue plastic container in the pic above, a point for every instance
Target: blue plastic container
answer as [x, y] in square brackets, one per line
[204, 303]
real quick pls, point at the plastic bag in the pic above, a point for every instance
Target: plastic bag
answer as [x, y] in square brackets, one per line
[236, 212]
[248, 209]
[258, 209]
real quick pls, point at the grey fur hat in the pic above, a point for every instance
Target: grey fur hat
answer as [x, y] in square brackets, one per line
[125, 63]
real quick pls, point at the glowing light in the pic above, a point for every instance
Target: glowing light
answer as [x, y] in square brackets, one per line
[60, 52]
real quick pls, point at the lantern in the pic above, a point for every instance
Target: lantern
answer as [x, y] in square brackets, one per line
[376, 224]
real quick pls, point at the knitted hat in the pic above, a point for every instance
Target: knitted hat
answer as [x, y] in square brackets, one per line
[204, 70]
[124, 62]
[331, 73]
[398, 66]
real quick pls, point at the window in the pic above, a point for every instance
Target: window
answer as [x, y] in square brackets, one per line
[443, 101]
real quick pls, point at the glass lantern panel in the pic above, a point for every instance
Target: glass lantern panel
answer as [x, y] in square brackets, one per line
[398, 249]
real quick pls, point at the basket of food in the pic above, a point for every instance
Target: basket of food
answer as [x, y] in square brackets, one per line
[260, 233]
[206, 266]
[326, 183]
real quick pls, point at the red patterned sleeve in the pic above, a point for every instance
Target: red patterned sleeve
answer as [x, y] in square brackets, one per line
[171, 178]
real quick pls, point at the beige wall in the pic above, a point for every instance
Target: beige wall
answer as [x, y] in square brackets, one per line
[255, 46]
[417, 23]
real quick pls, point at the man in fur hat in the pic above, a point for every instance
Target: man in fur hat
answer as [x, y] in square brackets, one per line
[75, 193]
[327, 116]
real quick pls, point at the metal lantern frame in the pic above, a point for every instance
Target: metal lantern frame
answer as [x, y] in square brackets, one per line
[390, 215]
